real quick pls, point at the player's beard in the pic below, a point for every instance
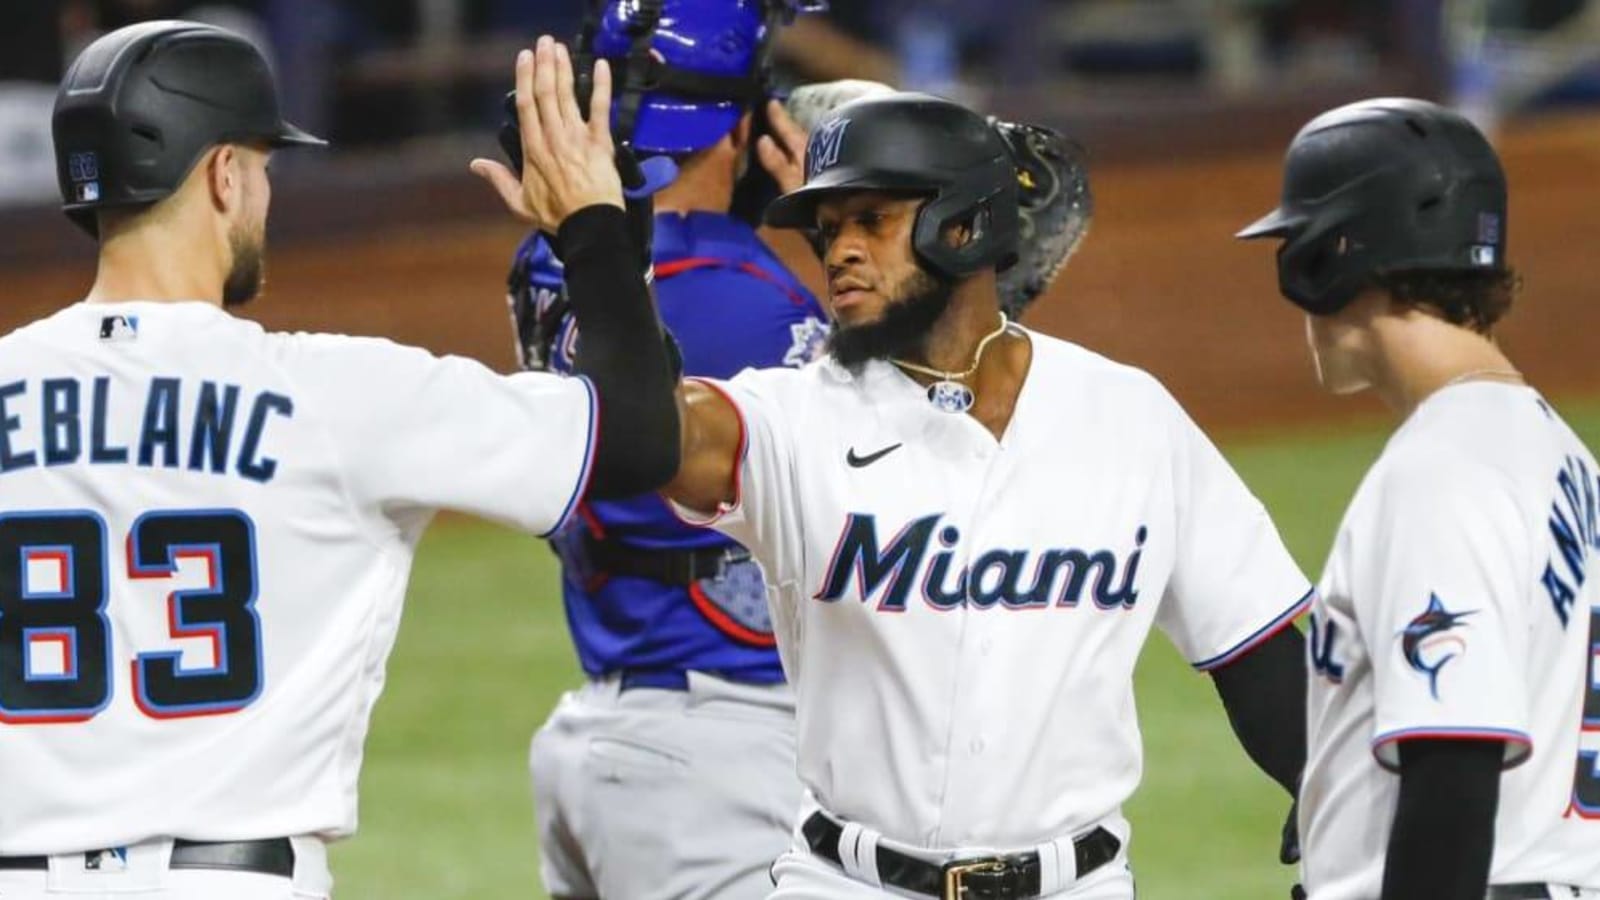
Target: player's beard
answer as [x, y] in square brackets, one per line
[904, 327]
[248, 274]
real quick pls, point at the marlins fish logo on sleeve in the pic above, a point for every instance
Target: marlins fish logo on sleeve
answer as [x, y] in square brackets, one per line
[1430, 640]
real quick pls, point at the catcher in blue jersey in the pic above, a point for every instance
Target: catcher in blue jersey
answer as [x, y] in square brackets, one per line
[671, 772]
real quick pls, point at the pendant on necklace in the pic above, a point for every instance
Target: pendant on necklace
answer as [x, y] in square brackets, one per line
[950, 396]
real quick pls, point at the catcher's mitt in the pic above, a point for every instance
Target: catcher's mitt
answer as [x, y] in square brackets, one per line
[1056, 207]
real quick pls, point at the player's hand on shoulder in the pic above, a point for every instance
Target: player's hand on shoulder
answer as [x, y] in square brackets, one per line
[568, 163]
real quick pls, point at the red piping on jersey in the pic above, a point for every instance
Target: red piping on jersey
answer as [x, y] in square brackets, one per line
[596, 580]
[1264, 634]
[1444, 733]
[591, 521]
[691, 263]
[61, 719]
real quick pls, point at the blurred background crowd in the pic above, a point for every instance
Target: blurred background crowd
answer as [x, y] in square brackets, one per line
[410, 79]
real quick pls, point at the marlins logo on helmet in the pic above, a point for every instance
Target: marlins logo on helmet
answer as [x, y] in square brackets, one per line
[824, 146]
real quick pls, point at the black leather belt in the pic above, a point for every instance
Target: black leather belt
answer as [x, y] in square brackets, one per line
[1529, 891]
[273, 856]
[676, 567]
[1012, 877]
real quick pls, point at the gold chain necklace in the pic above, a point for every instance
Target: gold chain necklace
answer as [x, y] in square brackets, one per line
[1498, 374]
[948, 394]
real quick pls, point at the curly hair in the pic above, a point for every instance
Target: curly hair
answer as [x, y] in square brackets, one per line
[1475, 299]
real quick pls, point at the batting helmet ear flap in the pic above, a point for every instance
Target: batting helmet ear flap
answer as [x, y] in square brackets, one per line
[1321, 269]
[979, 197]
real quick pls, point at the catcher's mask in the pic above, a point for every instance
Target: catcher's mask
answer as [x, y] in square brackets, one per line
[922, 144]
[1380, 186]
[684, 70]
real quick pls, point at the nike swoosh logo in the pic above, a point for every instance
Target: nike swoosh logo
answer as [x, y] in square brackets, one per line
[857, 462]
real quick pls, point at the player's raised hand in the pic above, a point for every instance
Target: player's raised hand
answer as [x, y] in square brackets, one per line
[783, 153]
[567, 163]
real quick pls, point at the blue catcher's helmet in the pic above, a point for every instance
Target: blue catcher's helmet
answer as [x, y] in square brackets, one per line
[686, 70]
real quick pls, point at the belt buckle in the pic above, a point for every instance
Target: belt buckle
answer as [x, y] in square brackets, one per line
[956, 873]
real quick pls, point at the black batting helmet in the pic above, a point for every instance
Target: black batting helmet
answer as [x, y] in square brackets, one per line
[139, 107]
[1380, 186]
[920, 143]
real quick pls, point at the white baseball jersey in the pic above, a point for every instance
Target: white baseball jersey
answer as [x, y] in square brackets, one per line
[205, 536]
[960, 616]
[1455, 605]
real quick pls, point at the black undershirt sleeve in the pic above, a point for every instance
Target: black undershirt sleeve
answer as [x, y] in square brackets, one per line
[1264, 692]
[623, 351]
[1443, 838]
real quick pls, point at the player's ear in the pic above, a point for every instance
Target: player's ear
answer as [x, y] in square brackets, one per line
[224, 180]
[959, 233]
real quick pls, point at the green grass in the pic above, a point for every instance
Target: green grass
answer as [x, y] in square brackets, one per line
[483, 656]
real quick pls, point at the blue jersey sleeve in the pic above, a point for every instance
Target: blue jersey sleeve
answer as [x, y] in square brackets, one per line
[727, 320]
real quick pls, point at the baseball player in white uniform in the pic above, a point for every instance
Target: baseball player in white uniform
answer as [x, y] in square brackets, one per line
[1455, 631]
[206, 529]
[967, 530]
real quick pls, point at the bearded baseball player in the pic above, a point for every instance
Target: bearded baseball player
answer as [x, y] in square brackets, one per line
[1455, 634]
[967, 530]
[207, 528]
[1055, 205]
[671, 621]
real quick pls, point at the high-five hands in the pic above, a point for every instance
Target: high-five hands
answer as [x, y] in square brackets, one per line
[567, 163]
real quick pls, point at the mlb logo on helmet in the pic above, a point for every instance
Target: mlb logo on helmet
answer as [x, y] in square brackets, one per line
[825, 145]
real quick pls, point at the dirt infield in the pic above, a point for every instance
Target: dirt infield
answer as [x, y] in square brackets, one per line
[1159, 283]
